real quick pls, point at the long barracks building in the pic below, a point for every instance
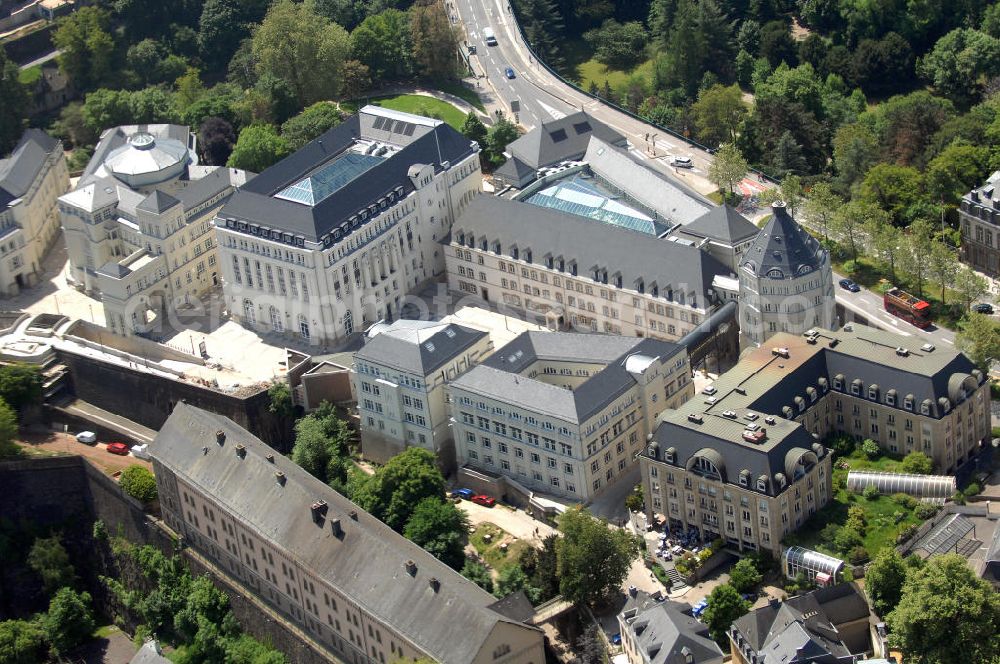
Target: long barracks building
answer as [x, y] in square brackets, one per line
[358, 589]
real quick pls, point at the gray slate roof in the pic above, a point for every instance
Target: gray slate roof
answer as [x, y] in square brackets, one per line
[157, 202]
[255, 202]
[804, 628]
[665, 632]
[366, 563]
[561, 140]
[722, 223]
[116, 137]
[418, 347]
[499, 375]
[19, 170]
[591, 243]
[783, 245]
[148, 654]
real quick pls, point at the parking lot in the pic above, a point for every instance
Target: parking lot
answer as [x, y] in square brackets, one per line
[65, 443]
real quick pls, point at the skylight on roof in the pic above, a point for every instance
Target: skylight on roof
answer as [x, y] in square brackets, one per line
[333, 176]
[429, 346]
[450, 333]
[558, 135]
[582, 127]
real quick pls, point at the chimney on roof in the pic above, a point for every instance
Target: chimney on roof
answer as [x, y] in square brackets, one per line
[435, 584]
[220, 437]
[632, 591]
[270, 457]
[241, 451]
[204, 449]
[336, 528]
[354, 515]
[411, 567]
[318, 510]
[280, 476]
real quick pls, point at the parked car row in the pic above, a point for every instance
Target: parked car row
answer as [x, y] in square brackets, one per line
[121, 449]
[470, 495]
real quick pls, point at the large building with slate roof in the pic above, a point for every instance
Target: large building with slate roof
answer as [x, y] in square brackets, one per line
[138, 225]
[979, 214]
[655, 631]
[786, 281]
[827, 626]
[32, 178]
[564, 413]
[329, 240]
[722, 232]
[357, 589]
[399, 379]
[747, 464]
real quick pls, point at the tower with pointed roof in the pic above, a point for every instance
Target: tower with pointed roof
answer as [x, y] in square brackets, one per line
[786, 282]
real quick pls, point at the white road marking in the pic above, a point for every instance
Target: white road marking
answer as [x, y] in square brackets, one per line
[555, 113]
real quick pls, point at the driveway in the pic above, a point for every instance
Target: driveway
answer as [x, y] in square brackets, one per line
[64, 443]
[519, 524]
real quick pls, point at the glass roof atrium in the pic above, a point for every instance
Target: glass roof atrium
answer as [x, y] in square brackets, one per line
[329, 178]
[584, 196]
[930, 488]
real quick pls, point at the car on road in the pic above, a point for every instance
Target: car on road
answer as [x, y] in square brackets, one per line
[121, 449]
[472, 49]
[509, 73]
[141, 451]
[465, 494]
[87, 438]
[484, 500]
[983, 308]
[849, 285]
[682, 162]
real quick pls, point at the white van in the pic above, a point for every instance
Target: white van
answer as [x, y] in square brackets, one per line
[489, 37]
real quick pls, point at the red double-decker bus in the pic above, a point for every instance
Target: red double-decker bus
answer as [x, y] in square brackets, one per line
[908, 307]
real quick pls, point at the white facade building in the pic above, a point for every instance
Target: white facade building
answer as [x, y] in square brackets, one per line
[329, 240]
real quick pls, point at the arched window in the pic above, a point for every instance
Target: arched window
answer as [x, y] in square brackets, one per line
[276, 324]
[249, 313]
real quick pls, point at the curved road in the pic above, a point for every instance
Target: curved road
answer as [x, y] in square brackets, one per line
[542, 96]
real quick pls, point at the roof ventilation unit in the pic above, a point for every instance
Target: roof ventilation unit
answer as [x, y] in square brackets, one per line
[220, 436]
[902, 352]
[695, 417]
[411, 567]
[927, 348]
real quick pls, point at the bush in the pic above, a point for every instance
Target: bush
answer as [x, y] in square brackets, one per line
[906, 534]
[847, 539]
[925, 511]
[972, 490]
[871, 449]
[843, 446]
[744, 576]
[634, 500]
[870, 493]
[918, 463]
[905, 500]
[857, 555]
[139, 483]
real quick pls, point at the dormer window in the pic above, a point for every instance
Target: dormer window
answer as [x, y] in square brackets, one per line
[483, 244]
[856, 387]
[761, 486]
[744, 478]
[527, 255]
[908, 402]
[873, 392]
[890, 398]
[461, 237]
[838, 382]
[514, 253]
[496, 247]
[925, 407]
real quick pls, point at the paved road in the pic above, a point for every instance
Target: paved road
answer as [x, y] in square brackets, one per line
[542, 96]
[51, 55]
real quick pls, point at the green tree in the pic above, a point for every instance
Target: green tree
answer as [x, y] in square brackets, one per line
[86, 47]
[49, 560]
[441, 529]
[478, 574]
[634, 501]
[943, 266]
[321, 446]
[216, 139]
[884, 239]
[512, 579]
[434, 40]
[20, 384]
[918, 463]
[311, 62]
[393, 492]
[855, 150]
[916, 257]
[956, 170]
[728, 167]
[893, 188]
[500, 135]
[724, 606]
[821, 205]
[356, 79]
[383, 43]
[871, 449]
[69, 620]
[970, 286]
[203, 603]
[15, 106]
[245, 649]
[258, 148]
[906, 125]
[592, 559]
[718, 113]
[474, 129]
[944, 608]
[221, 28]
[138, 482]
[848, 222]
[958, 61]
[618, 45]
[744, 576]
[8, 432]
[21, 642]
[979, 338]
[310, 123]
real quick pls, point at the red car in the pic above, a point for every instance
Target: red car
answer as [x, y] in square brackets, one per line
[485, 501]
[121, 449]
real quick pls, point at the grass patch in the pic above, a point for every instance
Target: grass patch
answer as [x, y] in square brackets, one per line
[423, 105]
[464, 93]
[885, 517]
[104, 631]
[581, 67]
[716, 197]
[492, 550]
[30, 75]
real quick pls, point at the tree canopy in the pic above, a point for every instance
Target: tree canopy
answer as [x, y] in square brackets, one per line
[138, 482]
[441, 529]
[592, 559]
[884, 580]
[724, 606]
[394, 491]
[14, 108]
[49, 560]
[257, 148]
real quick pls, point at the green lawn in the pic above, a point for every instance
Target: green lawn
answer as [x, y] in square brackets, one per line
[885, 518]
[581, 67]
[30, 75]
[491, 550]
[422, 105]
[463, 92]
